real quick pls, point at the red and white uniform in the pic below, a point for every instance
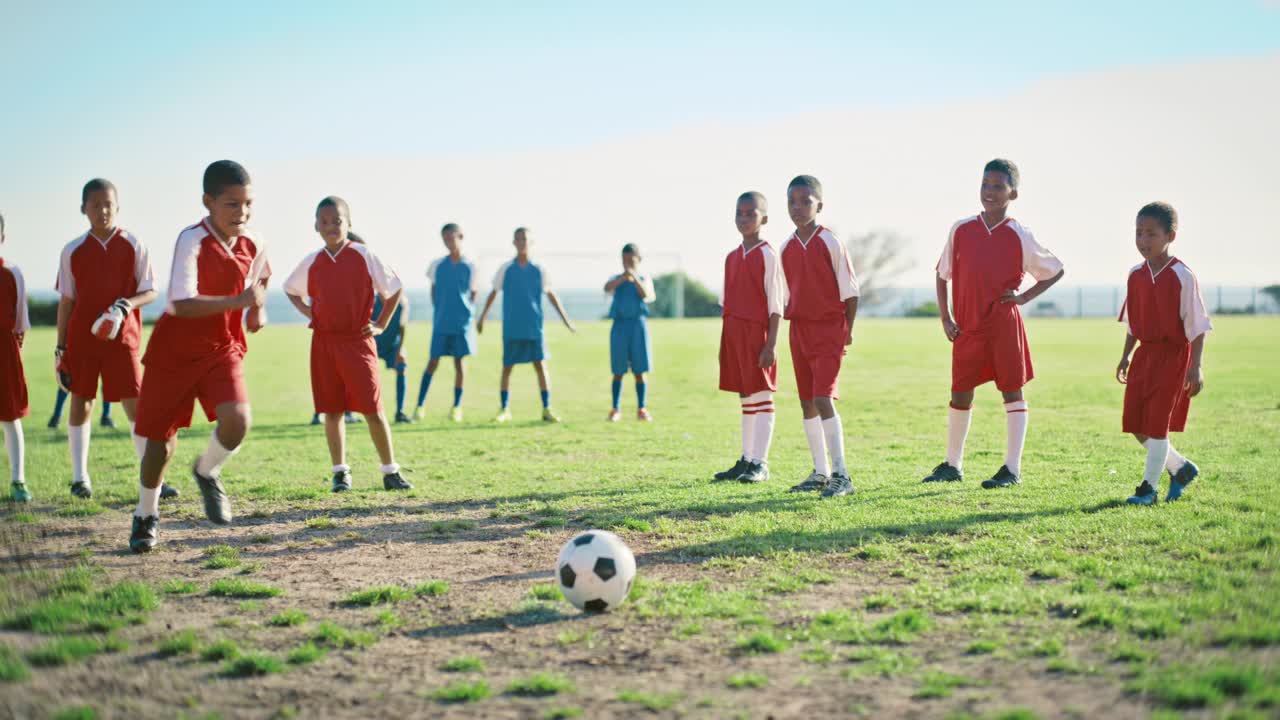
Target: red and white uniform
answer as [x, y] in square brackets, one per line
[95, 273]
[819, 278]
[341, 287]
[13, 322]
[1164, 311]
[200, 358]
[982, 263]
[752, 293]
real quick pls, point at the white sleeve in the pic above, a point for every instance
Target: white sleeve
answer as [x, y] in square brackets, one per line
[404, 309]
[261, 267]
[385, 280]
[846, 280]
[431, 271]
[142, 272]
[650, 294]
[475, 276]
[943, 267]
[498, 276]
[1036, 260]
[611, 279]
[1124, 304]
[66, 281]
[1195, 316]
[22, 320]
[183, 278]
[774, 287]
[296, 284]
[546, 279]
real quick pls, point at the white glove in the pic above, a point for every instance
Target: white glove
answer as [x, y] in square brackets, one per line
[108, 324]
[63, 377]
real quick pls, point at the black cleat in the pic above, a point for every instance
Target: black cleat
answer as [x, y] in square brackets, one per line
[82, 490]
[1144, 494]
[838, 486]
[315, 419]
[946, 472]
[402, 419]
[1180, 480]
[342, 481]
[814, 483]
[393, 481]
[54, 422]
[732, 473]
[168, 491]
[107, 422]
[217, 507]
[756, 472]
[1002, 479]
[143, 536]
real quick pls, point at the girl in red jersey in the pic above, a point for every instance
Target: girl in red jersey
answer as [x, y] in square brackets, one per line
[14, 324]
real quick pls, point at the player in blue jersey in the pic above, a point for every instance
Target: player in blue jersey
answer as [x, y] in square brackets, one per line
[629, 337]
[522, 284]
[453, 300]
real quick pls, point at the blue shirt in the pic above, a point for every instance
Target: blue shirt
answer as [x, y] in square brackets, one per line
[452, 284]
[522, 288]
[627, 304]
[391, 337]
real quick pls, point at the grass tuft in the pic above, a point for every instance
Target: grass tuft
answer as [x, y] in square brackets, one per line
[253, 665]
[12, 667]
[653, 702]
[431, 588]
[179, 643]
[306, 653]
[340, 638]
[540, 685]
[221, 650]
[382, 595]
[73, 648]
[463, 663]
[744, 680]
[238, 588]
[462, 692]
[288, 618]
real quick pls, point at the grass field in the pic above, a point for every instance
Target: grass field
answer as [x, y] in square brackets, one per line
[1048, 600]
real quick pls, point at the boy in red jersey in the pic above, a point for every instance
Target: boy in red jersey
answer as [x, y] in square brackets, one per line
[752, 309]
[196, 351]
[104, 277]
[1164, 312]
[14, 324]
[822, 302]
[985, 259]
[341, 280]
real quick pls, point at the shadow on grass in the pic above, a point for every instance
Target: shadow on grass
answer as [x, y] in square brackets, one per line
[525, 617]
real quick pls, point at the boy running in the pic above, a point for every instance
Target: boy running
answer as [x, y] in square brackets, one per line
[14, 324]
[1166, 317]
[822, 304]
[453, 303]
[751, 304]
[985, 259]
[341, 280]
[629, 335]
[522, 284]
[196, 351]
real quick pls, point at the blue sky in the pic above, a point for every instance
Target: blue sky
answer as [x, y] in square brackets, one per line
[128, 89]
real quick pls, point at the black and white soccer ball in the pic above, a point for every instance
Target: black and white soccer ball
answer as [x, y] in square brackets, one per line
[595, 570]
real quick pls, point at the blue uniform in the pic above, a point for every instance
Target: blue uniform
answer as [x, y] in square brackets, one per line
[522, 288]
[452, 285]
[629, 336]
[389, 342]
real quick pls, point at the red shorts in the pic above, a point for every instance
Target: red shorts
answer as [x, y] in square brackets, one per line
[13, 393]
[167, 399]
[998, 352]
[1155, 398]
[740, 344]
[115, 363]
[817, 349]
[344, 375]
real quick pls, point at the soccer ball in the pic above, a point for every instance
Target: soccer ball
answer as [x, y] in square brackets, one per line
[595, 570]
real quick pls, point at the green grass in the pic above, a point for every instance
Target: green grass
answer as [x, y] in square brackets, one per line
[73, 648]
[545, 591]
[462, 692]
[221, 650]
[179, 587]
[382, 595]
[332, 635]
[540, 685]
[464, 663]
[761, 643]
[653, 702]
[237, 588]
[73, 606]
[12, 667]
[221, 557]
[78, 712]
[288, 618]
[306, 654]
[562, 713]
[253, 665]
[431, 588]
[184, 642]
[744, 680]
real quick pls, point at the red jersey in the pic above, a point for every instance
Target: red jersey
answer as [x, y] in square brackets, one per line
[204, 265]
[13, 322]
[341, 287]
[13, 301]
[95, 273]
[982, 263]
[819, 276]
[1164, 306]
[752, 284]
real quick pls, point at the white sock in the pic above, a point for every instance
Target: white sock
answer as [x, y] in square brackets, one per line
[342, 468]
[957, 431]
[1157, 454]
[139, 442]
[833, 432]
[388, 469]
[762, 434]
[1176, 460]
[210, 463]
[78, 439]
[16, 447]
[1015, 414]
[817, 445]
[148, 501]
[748, 428]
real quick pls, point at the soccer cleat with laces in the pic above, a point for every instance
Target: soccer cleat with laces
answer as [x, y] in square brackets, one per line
[1180, 480]
[1002, 479]
[402, 419]
[838, 486]
[455, 414]
[168, 491]
[82, 489]
[732, 473]
[144, 534]
[946, 472]
[341, 481]
[814, 483]
[20, 493]
[217, 507]
[614, 415]
[393, 481]
[503, 416]
[1144, 494]
[549, 417]
[756, 472]
[643, 415]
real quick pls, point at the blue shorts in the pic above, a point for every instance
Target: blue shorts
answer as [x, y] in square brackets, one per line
[629, 346]
[515, 352]
[450, 344]
[388, 350]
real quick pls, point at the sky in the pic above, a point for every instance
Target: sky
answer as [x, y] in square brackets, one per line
[597, 124]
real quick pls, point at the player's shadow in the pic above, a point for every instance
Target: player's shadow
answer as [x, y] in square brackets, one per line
[525, 617]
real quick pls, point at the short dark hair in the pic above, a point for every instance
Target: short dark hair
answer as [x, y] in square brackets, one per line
[759, 199]
[449, 227]
[521, 229]
[1007, 167]
[96, 185]
[806, 181]
[1, 223]
[1161, 212]
[336, 203]
[223, 174]
[354, 238]
[630, 248]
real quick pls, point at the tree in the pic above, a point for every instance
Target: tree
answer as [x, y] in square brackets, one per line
[698, 300]
[1273, 292]
[879, 257]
